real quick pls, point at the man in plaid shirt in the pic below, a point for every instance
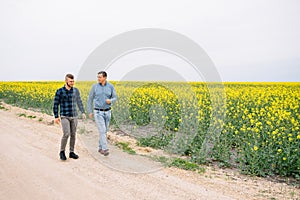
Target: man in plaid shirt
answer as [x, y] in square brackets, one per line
[65, 100]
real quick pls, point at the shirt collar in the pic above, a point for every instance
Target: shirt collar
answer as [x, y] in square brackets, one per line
[104, 84]
[67, 89]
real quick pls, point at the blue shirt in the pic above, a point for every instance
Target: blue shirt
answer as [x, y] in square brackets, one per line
[67, 100]
[99, 94]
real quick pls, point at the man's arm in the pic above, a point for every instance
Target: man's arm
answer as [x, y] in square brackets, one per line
[90, 100]
[113, 98]
[80, 104]
[56, 105]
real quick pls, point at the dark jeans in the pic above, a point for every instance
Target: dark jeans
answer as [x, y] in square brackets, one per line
[69, 125]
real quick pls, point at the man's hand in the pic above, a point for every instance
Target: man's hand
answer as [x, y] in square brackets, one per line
[57, 120]
[108, 101]
[91, 115]
[83, 116]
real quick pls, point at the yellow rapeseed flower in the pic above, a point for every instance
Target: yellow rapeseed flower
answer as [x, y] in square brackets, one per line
[279, 150]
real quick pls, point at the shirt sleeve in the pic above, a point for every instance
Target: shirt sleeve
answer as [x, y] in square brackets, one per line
[90, 99]
[56, 103]
[79, 101]
[113, 95]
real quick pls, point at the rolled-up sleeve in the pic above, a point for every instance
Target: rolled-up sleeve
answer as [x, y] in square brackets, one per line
[91, 99]
[56, 104]
[113, 96]
[79, 102]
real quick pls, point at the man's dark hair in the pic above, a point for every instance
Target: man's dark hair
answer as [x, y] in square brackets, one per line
[104, 74]
[69, 76]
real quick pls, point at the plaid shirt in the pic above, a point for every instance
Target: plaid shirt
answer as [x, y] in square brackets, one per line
[67, 100]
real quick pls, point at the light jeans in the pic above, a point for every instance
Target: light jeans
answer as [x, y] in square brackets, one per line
[102, 119]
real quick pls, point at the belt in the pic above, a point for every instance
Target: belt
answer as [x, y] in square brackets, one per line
[68, 117]
[107, 109]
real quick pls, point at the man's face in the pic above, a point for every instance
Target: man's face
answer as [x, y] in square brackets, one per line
[70, 82]
[101, 78]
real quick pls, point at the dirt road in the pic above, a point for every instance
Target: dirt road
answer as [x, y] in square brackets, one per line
[31, 169]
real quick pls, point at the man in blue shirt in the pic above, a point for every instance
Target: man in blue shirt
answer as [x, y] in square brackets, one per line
[65, 100]
[101, 97]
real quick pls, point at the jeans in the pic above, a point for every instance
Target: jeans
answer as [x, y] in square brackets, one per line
[69, 125]
[102, 119]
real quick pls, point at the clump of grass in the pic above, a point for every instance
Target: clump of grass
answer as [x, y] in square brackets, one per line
[22, 115]
[185, 164]
[125, 147]
[27, 116]
[2, 107]
[82, 130]
[179, 163]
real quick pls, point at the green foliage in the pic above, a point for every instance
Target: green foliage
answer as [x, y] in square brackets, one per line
[125, 147]
[179, 163]
[156, 141]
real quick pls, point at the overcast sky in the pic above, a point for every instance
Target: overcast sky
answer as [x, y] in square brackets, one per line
[254, 40]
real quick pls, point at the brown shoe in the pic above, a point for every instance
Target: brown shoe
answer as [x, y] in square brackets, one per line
[104, 152]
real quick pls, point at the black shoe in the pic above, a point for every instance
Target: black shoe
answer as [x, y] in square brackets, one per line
[62, 155]
[73, 155]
